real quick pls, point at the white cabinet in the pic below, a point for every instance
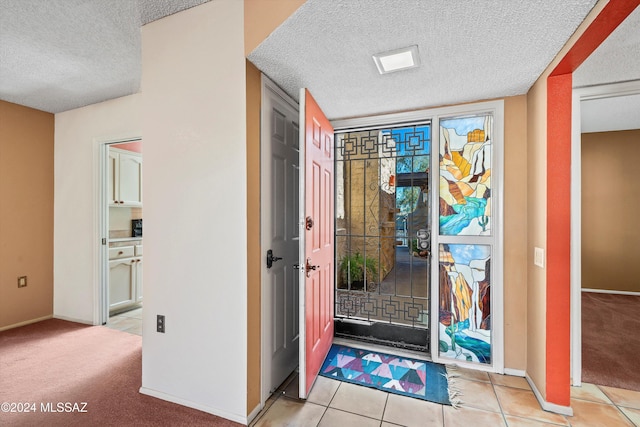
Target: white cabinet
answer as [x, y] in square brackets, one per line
[125, 178]
[122, 278]
[125, 277]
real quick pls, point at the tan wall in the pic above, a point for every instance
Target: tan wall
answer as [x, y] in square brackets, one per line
[536, 231]
[261, 17]
[610, 237]
[515, 232]
[254, 259]
[26, 214]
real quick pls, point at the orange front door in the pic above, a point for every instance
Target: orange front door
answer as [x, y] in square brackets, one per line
[316, 252]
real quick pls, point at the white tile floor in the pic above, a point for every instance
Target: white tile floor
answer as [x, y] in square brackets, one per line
[129, 321]
[488, 400]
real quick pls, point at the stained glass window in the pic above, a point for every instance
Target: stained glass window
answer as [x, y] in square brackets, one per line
[465, 302]
[465, 176]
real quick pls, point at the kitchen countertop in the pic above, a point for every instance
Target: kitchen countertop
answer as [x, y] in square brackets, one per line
[125, 239]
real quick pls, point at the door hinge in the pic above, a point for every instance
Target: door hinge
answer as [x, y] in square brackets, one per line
[104, 240]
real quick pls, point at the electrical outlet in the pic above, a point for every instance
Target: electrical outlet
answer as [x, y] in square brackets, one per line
[160, 323]
[22, 281]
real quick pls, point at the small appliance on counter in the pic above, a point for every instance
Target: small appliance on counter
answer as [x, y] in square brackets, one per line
[136, 227]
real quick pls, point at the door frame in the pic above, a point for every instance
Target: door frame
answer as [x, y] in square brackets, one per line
[268, 87]
[579, 95]
[497, 303]
[101, 221]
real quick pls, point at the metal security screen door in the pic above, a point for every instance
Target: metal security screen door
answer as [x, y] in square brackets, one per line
[383, 236]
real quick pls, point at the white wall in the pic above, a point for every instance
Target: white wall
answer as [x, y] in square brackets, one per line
[76, 248]
[194, 127]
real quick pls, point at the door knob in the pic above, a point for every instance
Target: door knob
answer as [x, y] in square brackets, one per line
[271, 259]
[309, 267]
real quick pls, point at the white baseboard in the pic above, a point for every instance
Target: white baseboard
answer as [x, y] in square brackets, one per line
[515, 372]
[189, 404]
[547, 406]
[71, 319]
[609, 291]
[253, 414]
[25, 323]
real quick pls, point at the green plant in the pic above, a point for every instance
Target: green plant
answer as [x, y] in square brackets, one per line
[483, 221]
[414, 246]
[353, 266]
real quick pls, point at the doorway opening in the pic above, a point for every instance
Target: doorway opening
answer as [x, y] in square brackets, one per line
[383, 235]
[279, 236]
[297, 273]
[384, 283]
[603, 133]
[121, 206]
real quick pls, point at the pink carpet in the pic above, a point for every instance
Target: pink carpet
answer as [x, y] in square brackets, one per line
[56, 361]
[611, 340]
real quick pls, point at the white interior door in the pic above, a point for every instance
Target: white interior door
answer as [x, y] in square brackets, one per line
[279, 223]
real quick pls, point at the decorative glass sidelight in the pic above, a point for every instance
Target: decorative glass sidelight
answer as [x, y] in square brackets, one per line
[465, 176]
[465, 302]
[465, 238]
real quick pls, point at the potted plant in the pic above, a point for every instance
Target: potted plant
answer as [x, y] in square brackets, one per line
[352, 271]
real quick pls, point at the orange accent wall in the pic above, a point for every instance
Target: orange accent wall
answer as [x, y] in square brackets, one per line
[558, 301]
[594, 30]
[26, 214]
[606, 22]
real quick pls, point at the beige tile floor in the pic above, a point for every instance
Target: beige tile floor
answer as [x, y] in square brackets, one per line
[488, 400]
[129, 321]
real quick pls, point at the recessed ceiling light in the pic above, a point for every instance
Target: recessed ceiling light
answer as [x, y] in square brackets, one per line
[396, 60]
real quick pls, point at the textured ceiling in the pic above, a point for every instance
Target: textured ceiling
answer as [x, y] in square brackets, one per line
[469, 50]
[56, 55]
[617, 59]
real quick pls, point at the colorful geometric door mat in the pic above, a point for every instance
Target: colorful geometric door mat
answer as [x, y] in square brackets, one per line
[394, 374]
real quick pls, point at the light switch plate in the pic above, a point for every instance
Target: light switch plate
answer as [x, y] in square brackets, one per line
[538, 257]
[22, 281]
